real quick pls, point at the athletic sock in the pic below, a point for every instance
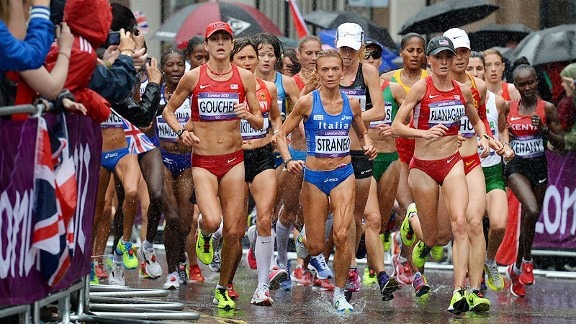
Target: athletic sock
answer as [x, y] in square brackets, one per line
[264, 248]
[282, 237]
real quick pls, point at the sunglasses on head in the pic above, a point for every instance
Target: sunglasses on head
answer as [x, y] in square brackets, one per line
[374, 54]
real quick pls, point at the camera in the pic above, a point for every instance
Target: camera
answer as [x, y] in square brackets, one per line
[113, 38]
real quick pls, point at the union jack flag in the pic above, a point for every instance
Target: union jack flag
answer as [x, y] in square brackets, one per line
[138, 142]
[141, 21]
[49, 236]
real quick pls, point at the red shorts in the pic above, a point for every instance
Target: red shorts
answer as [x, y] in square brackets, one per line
[405, 148]
[470, 162]
[436, 169]
[218, 165]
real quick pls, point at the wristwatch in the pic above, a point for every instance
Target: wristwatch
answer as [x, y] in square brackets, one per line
[286, 163]
[180, 132]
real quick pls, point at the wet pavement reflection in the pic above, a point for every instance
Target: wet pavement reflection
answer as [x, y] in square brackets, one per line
[548, 301]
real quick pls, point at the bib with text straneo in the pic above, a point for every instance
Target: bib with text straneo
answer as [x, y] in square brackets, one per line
[165, 132]
[356, 94]
[214, 106]
[332, 143]
[528, 146]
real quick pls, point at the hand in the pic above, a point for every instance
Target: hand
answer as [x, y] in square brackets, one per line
[111, 54]
[154, 75]
[138, 39]
[65, 37]
[274, 139]
[241, 110]
[369, 151]
[74, 106]
[140, 58]
[295, 166]
[385, 130]
[484, 145]
[508, 154]
[435, 132]
[189, 139]
[126, 41]
[497, 146]
[461, 139]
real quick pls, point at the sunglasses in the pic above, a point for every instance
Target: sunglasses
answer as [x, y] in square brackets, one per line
[374, 54]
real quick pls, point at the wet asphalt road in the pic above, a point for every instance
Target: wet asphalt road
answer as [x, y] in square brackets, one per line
[551, 300]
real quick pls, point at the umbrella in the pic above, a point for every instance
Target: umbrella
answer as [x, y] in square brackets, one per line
[193, 19]
[333, 19]
[492, 35]
[388, 55]
[549, 45]
[444, 15]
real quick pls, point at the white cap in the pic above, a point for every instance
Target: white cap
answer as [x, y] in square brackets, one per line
[350, 35]
[458, 37]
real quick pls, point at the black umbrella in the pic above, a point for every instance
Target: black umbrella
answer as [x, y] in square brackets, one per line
[492, 35]
[447, 14]
[333, 19]
[549, 45]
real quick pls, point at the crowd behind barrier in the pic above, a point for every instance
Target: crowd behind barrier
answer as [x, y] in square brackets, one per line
[21, 272]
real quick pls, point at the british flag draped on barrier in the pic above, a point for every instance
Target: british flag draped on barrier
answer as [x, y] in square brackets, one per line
[39, 237]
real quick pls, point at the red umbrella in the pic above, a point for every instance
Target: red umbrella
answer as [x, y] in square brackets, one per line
[193, 19]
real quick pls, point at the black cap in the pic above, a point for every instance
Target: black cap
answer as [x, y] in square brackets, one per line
[439, 44]
[371, 42]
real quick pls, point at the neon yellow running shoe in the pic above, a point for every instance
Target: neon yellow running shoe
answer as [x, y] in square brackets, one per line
[222, 299]
[369, 277]
[459, 303]
[420, 254]
[93, 278]
[477, 302]
[204, 249]
[129, 259]
[386, 241]
[406, 232]
[437, 253]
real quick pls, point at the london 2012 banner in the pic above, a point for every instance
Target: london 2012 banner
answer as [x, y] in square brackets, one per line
[37, 258]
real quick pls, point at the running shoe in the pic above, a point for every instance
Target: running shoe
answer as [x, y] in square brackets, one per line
[182, 271]
[252, 259]
[369, 277]
[149, 267]
[301, 250]
[116, 276]
[342, 305]
[276, 276]
[215, 264]
[459, 303]
[406, 231]
[437, 253]
[386, 241]
[286, 284]
[93, 277]
[420, 254]
[262, 297]
[353, 283]
[323, 284]
[195, 274]
[307, 278]
[527, 275]
[252, 233]
[222, 299]
[402, 270]
[129, 259]
[420, 284]
[297, 273]
[516, 287]
[172, 281]
[318, 265]
[495, 280]
[231, 292]
[476, 301]
[387, 286]
[101, 271]
[204, 248]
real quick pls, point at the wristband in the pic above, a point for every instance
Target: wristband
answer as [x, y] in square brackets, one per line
[486, 136]
[180, 132]
[286, 163]
[276, 131]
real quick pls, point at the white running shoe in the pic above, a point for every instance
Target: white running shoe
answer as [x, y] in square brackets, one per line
[172, 281]
[149, 267]
[301, 250]
[116, 276]
[262, 297]
[341, 304]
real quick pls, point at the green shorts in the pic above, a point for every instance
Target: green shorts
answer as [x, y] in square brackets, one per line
[494, 176]
[382, 162]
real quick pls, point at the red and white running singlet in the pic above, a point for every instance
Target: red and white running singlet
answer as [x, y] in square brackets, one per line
[526, 140]
[264, 100]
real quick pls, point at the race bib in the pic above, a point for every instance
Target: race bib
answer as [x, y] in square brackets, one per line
[447, 113]
[165, 132]
[114, 121]
[217, 106]
[528, 147]
[332, 143]
[357, 94]
[249, 133]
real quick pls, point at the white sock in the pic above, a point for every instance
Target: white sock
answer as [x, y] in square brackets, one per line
[489, 262]
[273, 262]
[264, 248]
[282, 237]
[338, 291]
[218, 234]
[401, 259]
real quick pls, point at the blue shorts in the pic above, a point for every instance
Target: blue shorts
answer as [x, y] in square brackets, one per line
[328, 180]
[176, 163]
[297, 154]
[110, 158]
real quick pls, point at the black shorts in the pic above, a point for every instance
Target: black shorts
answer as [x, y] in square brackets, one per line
[535, 169]
[361, 164]
[258, 160]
